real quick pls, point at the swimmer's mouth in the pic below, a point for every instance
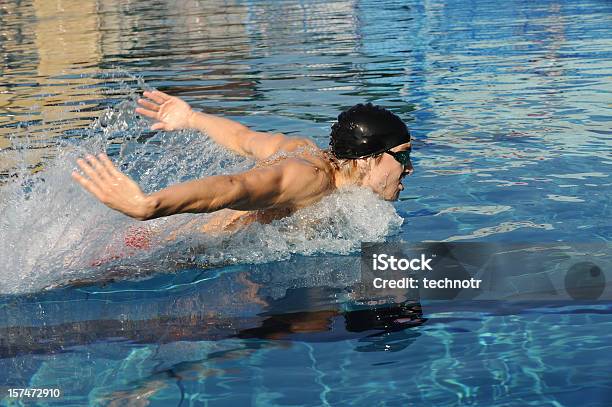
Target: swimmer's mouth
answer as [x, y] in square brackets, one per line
[400, 187]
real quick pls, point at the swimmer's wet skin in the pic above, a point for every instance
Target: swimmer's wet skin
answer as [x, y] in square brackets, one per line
[370, 148]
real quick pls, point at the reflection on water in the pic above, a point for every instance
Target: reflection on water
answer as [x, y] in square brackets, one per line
[510, 107]
[49, 82]
[374, 328]
[196, 326]
[290, 323]
[248, 302]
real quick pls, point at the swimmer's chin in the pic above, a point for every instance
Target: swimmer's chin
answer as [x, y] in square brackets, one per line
[393, 198]
[400, 188]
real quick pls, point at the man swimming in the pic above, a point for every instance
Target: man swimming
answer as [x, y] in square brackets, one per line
[370, 147]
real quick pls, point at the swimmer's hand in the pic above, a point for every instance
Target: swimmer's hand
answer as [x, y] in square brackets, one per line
[170, 112]
[113, 188]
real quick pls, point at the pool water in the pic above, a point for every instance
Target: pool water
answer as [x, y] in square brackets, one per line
[509, 106]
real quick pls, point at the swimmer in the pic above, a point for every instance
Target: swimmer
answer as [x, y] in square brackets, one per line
[369, 147]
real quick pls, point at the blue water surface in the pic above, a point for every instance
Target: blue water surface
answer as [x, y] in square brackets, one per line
[509, 106]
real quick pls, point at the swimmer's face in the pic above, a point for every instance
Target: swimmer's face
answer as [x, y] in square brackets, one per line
[385, 175]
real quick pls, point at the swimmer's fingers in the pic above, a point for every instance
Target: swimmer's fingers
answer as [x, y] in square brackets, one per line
[153, 97]
[159, 126]
[161, 95]
[148, 113]
[157, 96]
[109, 166]
[87, 184]
[99, 168]
[90, 172]
[148, 105]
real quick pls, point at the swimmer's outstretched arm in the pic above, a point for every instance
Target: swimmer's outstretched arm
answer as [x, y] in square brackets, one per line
[173, 113]
[276, 186]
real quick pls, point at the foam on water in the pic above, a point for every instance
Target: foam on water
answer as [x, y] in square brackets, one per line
[53, 232]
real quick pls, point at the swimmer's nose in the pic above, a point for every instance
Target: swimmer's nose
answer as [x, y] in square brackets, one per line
[408, 169]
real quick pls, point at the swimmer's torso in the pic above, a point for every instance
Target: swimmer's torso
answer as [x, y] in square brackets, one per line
[315, 175]
[227, 220]
[311, 172]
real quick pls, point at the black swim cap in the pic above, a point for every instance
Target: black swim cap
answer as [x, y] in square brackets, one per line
[365, 130]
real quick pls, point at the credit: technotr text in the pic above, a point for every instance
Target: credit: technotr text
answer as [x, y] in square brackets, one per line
[384, 262]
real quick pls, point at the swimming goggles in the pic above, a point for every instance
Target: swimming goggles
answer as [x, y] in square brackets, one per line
[402, 157]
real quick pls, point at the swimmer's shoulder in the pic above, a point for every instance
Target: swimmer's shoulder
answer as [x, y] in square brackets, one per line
[309, 172]
[292, 144]
[298, 149]
[300, 156]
